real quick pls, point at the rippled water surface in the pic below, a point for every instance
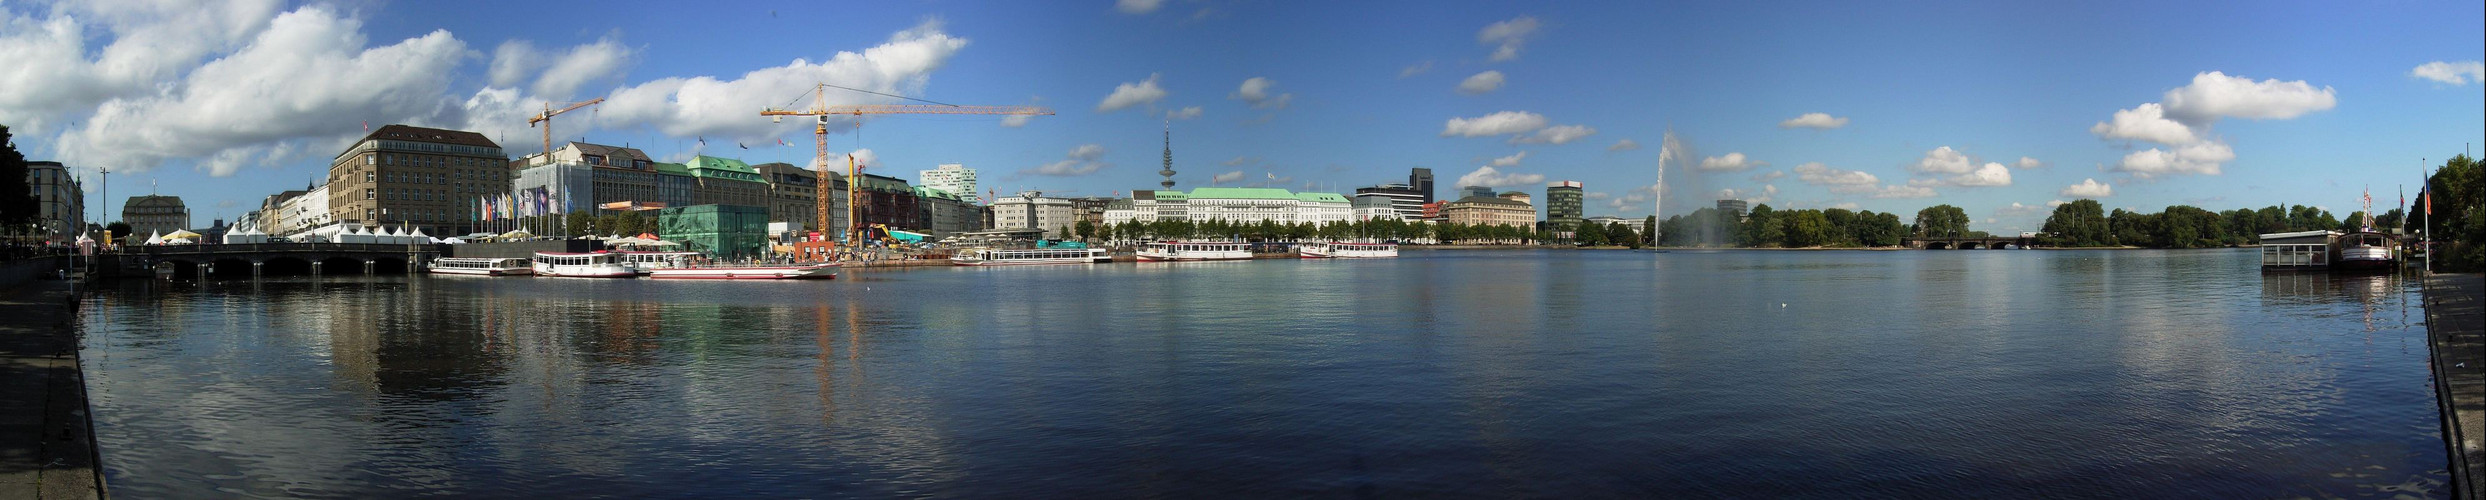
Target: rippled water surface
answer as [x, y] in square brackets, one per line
[1478, 373]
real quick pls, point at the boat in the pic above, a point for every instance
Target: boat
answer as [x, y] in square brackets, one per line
[649, 261]
[1191, 251]
[482, 266]
[823, 270]
[1335, 250]
[583, 265]
[1030, 256]
[2364, 250]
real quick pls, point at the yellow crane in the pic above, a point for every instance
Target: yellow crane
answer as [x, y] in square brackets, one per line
[821, 111]
[546, 119]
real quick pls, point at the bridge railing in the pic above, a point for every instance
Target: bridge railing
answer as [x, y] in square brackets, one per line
[253, 248]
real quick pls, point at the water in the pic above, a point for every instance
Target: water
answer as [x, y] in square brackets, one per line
[1480, 373]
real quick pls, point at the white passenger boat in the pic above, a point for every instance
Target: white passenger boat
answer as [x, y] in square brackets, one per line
[650, 261]
[1334, 250]
[1185, 251]
[480, 266]
[2364, 251]
[582, 265]
[1030, 256]
[827, 270]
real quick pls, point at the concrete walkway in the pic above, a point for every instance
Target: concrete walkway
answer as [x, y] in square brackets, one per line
[2457, 333]
[47, 443]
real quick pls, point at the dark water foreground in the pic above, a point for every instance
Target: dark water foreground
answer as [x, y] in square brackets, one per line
[1741, 374]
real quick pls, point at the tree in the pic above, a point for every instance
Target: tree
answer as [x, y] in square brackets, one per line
[1761, 228]
[2081, 223]
[1622, 235]
[581, 224]
[1807, 228]
[17, 201]
[1654, 230]
[1942, 221]
[1590, 235]
[1085, 229]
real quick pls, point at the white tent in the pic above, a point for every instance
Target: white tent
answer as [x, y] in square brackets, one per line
[155, 238]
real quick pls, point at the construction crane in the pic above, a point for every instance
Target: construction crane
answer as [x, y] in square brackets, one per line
[546, 118]
[821, 111]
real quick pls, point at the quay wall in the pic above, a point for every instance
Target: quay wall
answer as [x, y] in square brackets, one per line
[2456, 340]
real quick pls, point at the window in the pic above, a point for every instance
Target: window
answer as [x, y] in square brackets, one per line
[370, 193]
[370, 176]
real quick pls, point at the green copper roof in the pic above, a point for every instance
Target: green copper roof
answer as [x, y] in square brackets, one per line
[726, 168]
[933, 192]
[673, 168]
[1242, 193]
[1321, 197]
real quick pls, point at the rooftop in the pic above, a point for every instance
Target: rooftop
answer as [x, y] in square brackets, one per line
[1240, 194]
[431, 135]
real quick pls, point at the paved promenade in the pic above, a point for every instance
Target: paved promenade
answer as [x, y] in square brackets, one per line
[47, 444]
[2457, 332]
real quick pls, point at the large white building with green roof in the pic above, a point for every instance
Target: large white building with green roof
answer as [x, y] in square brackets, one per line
[1232, 205]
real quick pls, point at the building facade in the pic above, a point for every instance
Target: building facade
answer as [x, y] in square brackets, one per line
[1323, 208]
[887, 200]
[946, 213]
[151, 214]
[1467, 191]
[60, 200]
[1405, 199]
[725, 181]
[1737, 207]
[1517, 196]
[1364, 208]
[295, 214]
[1421, 179]
[1488, 210]
[950, 177]
[1054, 215]
[417, 177]
[793, 191]
[1563, 204]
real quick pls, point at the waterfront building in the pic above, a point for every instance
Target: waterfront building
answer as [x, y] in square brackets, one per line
[1243, 205]
[721, 231]
[1517, 196]
[887, 201]
[60, 200]
[1364, 208]
[1152, 206]
[793, 192]
[1120, 211]
[951, 177]
[1563, 205]
[1030, 210]
[1432, 211]
[1421, 179]
[1322, 208]
[152, 214]
[1736, 207]
[407, 176]
[1405, 199]
[1467, 191]
[1090, 209]
[674, 186]
[946, 213]
[298, 213]
[725, 181]
[1488, 210]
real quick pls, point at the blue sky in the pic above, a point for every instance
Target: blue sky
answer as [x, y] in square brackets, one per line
[2228, 106]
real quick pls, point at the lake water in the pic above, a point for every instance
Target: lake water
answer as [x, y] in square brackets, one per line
[1445, 373]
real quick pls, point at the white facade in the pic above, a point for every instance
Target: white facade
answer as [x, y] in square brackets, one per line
[297, 214]
[1053, 215]
[1119, 216]
[1365, 208]
[952, 177]
[1323, 208]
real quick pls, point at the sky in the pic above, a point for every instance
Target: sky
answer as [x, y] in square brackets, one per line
[2000, 108]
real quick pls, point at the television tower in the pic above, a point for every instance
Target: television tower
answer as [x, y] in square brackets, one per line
[1168, 172]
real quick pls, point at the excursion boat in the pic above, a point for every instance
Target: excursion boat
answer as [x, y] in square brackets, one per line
[1183, 251]
[480, 266]
[649, 261]
[826, 270]
[1031, 256]
[582, 265]
[1335, 250]
[2364, 251]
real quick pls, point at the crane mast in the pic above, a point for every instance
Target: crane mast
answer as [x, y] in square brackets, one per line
[821, 111]
[546, 119]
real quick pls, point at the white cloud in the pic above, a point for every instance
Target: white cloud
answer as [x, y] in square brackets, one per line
[1510, 161]
[1844, 205]
[1562, 134]
[1415, 69]
[1814, 120]
[1762, 195]
[1505, 122]
[1185, 113]
[582, 65]
[1990, 175]
[1730, 162]
[49, 79]
[1132, 94]
[1943, 160]
[2454, 73]
[1016, 121]
[1081, 160]
[1226, 177]
[2027, 163]
[705, 106]
[1623, 145]
[2213, 94]
[2202, 158]
[513, 61]
[1255, 92]
[1817, 174]
[1484, 82]
[2057, 203]
[1771, 175]
[1508, 36]
[1239, 160]
[2148, 122]
[1488, 176]
[2088, 188]
[864, 157]
[1138, 6]
[1899, 192]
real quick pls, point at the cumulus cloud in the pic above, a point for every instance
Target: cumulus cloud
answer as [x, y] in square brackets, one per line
[706, 106]
[1730, 162]
[1597, 195]
[1899, 192]
[1510, 161]
[1505, 122]
[1943, 160]
[1507, 36]
[2088, 188]
[1765, 194]
[1990, 175]
[1415, 69]
[1771, 175]
[2148, 122]
[1562, 134]
[2201, 159]
[2453, 73]
[1623, 145]
[49, 72]
[2212, 95]
[1138, 6]
[1226, 177]
[1132, 94]
[1255, 92]
[1817, 174]
[1016, 121]
[1081, 160]
[1484, 82]
[558, 75]
[2057, 203]
[1488, 176]
[1185, 113]
[2027, 163]
[1814, 120]
[1239, 160]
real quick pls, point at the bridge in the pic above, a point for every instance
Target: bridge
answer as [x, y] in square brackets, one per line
[256, 259]
[1987, 243]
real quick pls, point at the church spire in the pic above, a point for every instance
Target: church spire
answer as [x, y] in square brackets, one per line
[1168, 172]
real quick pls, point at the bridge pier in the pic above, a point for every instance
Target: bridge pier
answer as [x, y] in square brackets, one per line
[367, 266]
[204, 269]
[255, 268]
[315, 267]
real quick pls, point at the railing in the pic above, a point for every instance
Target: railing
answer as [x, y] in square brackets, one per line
[279, 248]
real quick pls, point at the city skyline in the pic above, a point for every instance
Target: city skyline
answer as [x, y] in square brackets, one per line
[1998, 109]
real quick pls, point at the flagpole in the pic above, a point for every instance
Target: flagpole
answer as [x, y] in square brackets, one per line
[2426, 195]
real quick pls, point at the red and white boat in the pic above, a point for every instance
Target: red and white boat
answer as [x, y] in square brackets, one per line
[758, 272]
[479, 266]
[1335, 250]
[1186, 251]
[582, 265]
[650, 261]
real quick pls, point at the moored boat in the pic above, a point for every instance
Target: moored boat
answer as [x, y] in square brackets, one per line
[757, 272]
[582, 265]
[1189, 251]
[2363, 251]
[480, 266]
[649, 261]
[1335, 250]
[1030, 256]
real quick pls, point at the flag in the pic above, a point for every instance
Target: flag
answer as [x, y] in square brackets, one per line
[2427, 195]
[744, 147]
[366, 125]
[703, 141]
[782, 142]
